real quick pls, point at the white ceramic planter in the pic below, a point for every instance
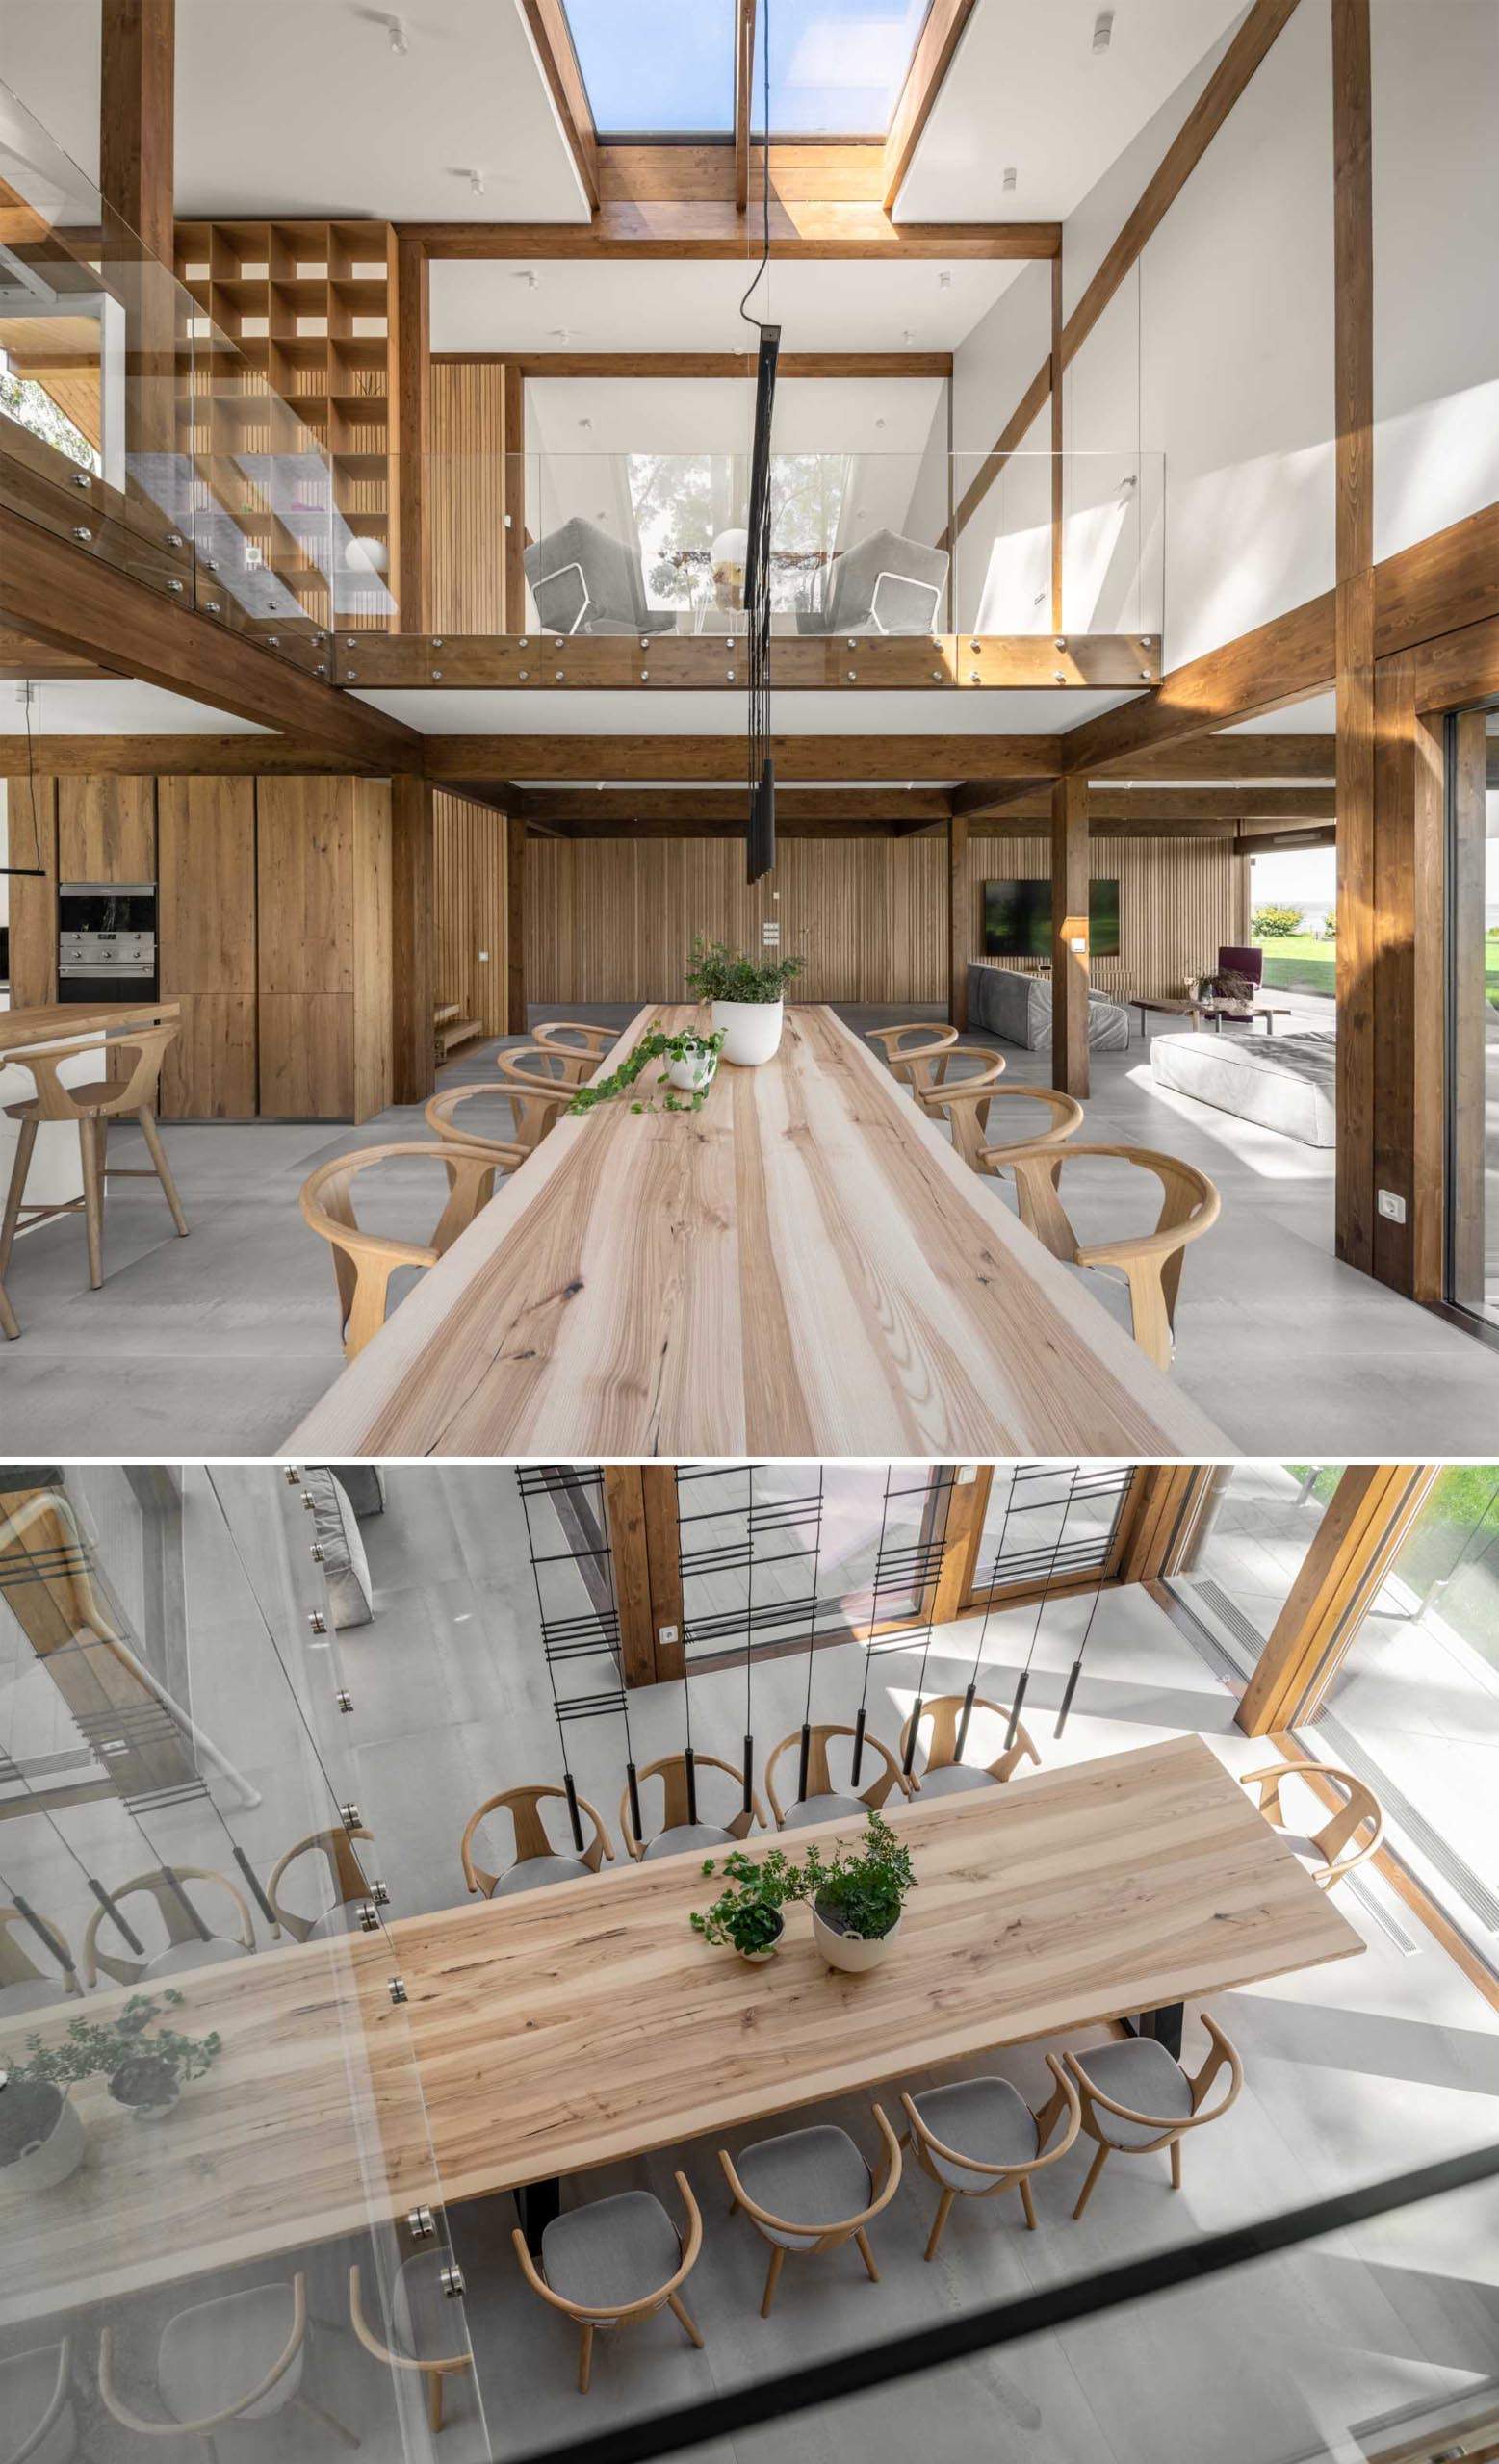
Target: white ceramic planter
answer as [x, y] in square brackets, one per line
[852, 1952]
[751, 1030]
[693, 1070]
[56, 2152]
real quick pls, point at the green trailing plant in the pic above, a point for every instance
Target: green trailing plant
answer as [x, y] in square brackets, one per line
[860, 1889]
[655, 1046]
[130, 2046]
[717, 973]
[747, 1915]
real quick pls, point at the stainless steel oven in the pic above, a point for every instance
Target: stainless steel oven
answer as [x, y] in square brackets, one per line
[106, 940]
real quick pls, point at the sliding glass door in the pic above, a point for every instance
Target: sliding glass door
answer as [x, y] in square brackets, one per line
[1472, 1279]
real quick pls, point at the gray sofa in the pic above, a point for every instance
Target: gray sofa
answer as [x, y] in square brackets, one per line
[1017, 1007]
[887, 585]
[1285, 1083]
[583, 582]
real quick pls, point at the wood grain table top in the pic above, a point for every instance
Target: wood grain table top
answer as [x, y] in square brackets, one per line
[804, 1268]
[65, 1019]
[532, 2040]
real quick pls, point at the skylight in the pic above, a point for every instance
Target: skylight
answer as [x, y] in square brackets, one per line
[656, 67]
[837, 67]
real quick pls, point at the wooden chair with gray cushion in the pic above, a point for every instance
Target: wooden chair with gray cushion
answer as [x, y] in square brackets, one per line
[811, 2191]
[939, 1729]
[979, 2137]
[345, 1875]
[681, 1823]
[969, 1106]
[616, 2262]
[540, 1086]
[1336, 1849]
[192, 1942]
[1150, 1262]
[1137, 2098]
[237, 2359]
[38, 2422]
[364, 1262]
[441, 1116]
[821, 1801]
[26, 1940]
[536, 1862]
[913, 1052]
[127, 1092]
[426, 2327]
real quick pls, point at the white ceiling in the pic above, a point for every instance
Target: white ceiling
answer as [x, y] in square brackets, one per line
[118, 705]
[1026, 88]
[663, 304]
[566, 713]
[1317, 716]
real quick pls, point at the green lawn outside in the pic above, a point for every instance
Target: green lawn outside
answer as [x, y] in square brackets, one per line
[1304, 963]
[1464, 1497]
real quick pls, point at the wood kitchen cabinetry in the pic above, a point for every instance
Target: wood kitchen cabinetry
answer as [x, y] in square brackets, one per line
[323, 864]
[206, 923]
[105, 830]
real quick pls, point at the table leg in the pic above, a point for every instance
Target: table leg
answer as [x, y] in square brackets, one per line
[1163, 2025]
[537, 2203]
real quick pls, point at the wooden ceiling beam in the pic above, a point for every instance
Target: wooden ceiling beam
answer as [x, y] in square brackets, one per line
[946, 21]
[546, 23]
[667, 760]
[1270, 668]
[858, 365]
[177, 756]
[921, 804]
[800, 228]
[23, 659]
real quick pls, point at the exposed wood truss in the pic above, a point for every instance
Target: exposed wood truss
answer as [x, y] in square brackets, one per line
[716, 663]
[547, 23]
[857, 365]
[800, 228]
[936, 46]
[454, 760]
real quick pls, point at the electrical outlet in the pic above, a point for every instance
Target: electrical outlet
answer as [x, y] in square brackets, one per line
[968, 1474]
[667, 1634]
[1392, 1206]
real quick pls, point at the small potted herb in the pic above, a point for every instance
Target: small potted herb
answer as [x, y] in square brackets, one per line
[858, 1896]
[145, 2071]
[41, 2134]
[748, 1004]
[748, 1918]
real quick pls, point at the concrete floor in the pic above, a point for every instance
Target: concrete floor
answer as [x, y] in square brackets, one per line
[218, 1344]
[1353, 2072]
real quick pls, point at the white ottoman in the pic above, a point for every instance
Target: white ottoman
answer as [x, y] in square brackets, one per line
[56, 1174]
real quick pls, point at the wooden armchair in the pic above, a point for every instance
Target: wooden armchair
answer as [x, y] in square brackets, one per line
[967, 1105]
[793, 2189]
[416, 2326]
[24, 1986]
[681, 1823]
[578, 1040]
[509, 1154]
[345, 1873]
[1336, 1844]
[944, 1772]
[1150, 1261]
[823, 1801]
[540, 1083]
[364, 1262]
[606, 2239]
[918, 1062]
[1137, 2098]
[533, 1850]
[992, 2113]
[191, 1940]
[259, 2334]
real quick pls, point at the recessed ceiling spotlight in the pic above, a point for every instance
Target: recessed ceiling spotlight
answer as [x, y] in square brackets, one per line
[561, 333]
[476, 183]
[529, 279]
[400, 40]
[586, 422]
[879, 422]
[1011, 179]
[1103, 29]
[907, 337]
[944, 280]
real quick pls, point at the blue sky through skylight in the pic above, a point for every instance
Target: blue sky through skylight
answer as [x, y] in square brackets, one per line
[837, 67]
[660, 65]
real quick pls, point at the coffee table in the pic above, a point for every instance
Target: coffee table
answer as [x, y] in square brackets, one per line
[1237, 1013]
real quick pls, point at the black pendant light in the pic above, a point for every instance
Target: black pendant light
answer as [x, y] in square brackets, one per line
[1052, 1562]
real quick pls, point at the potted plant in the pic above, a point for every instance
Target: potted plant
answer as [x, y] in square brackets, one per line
[688, 1061]
[145, 2071]
[748, 1918]
[858, 1897]
[748, 1004]
[41, 2134]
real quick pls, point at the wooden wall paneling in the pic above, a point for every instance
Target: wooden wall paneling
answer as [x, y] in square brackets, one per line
[413, 979]
[105, 830]
[513, 495]
[306, 885]
[1071, 876]
[207, 925]
[30, 834]
[1179, 901]
[324, 875]
[1467, 1197]
[519, 989]
[374, 946]
[306, 1056]
[411, 398]
[957, 852]
[470, 898]
[465, 498]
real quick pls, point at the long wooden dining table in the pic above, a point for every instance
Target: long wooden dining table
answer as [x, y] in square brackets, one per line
[803, 1267]
[539, 2034]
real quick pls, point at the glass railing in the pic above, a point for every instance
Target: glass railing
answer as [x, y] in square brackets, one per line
[218, 2196]
[134, 425]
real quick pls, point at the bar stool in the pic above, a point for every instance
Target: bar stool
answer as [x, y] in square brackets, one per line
[93, 1105]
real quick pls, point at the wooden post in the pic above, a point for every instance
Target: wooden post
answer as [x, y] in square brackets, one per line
[1366, 1519]
[515, 1018]
[959, 916]
[664, 1559]
[624, 1519]
[512, 496]
[1070, 878]
[967, 1505]
[1467, 1197]
[413, 984]
[1163, 1501]
[1058, 489]
[1358, 1026]
[409, 580]
[137, 116]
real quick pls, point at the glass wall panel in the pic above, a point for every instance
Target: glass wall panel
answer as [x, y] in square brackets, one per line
[1249, 1548]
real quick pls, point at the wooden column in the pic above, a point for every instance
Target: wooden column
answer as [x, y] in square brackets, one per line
[1058, 488]
[137, 110]
[966, 1505]
[1070, 878]
[959, 916]
[642, 1522]
[1163, 1500]
[664, 1559]
[1358, 891]
[412, 401]
[512, 496]
[515, 1018]
[413, 977]
[1467, 1197]
[1367, 1518]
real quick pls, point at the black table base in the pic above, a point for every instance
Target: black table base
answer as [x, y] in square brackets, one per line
[536, 2204]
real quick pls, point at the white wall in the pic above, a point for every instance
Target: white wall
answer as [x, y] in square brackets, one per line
[1436, 68]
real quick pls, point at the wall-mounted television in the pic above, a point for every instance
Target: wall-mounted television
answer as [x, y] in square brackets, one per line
[1017, 919]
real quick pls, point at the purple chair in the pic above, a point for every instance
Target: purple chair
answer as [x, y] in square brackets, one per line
[1243, 961]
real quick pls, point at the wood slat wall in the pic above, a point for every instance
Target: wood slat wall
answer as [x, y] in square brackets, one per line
[469, 902]
[611, 919]
[465, 507]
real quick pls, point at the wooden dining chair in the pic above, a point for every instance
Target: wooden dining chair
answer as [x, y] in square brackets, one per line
[236, 2359]
[1335, 1849]
[578, 1038]
[24, 1986]
[979, 2138]
[820, 1800]
[422, 2327]
[39, 2424]
[122, 1093]
[944, 1772]
[344, 1874]
[811, 2191]
[540, 1084]
[191, 1940]
[364, 1262]
[440, 1117]
[1150, 1261]
[681, 1823]
[1137, 2098]
[536, 1862]
[613, 2263]
[967, 1103]
[916, 1062]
